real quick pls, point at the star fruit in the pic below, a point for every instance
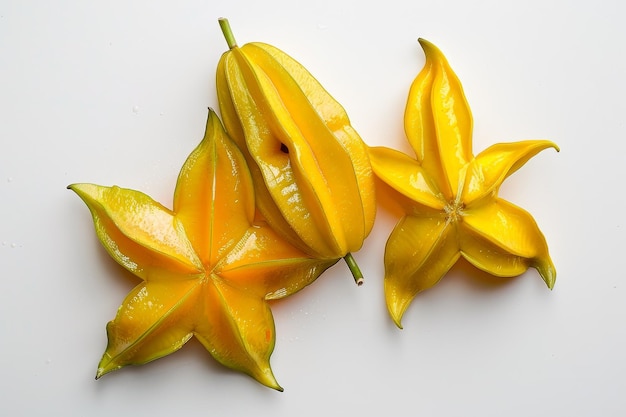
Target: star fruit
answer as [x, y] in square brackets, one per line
[312, 176]
[450, 196]
[207, 270]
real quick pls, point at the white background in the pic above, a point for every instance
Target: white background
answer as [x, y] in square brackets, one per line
[116, 92]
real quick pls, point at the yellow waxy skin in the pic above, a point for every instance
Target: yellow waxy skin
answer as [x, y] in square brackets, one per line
[451, 196]
[207, 271]
[310, 168]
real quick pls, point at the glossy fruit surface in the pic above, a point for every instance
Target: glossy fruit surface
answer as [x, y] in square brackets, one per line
[450, 196]
[206, 269]
[310, 168]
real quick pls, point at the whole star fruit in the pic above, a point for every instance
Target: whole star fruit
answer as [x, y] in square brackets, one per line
[310, 168]
[207, 270]
[450, 197]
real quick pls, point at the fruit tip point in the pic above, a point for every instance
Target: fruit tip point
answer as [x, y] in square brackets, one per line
[422, 41]
[395, 310]
[547, 272]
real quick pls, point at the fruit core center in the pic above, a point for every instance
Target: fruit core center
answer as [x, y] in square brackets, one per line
[454, 211]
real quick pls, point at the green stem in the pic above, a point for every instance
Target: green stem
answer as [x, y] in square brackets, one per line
[228, 33]
[354, 268]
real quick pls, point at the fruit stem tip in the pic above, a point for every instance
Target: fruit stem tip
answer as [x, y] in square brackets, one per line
[354, 268]
[228, 33]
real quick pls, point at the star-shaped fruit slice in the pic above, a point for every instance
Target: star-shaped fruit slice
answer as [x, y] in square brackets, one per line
[206, 269]
[451, 196]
